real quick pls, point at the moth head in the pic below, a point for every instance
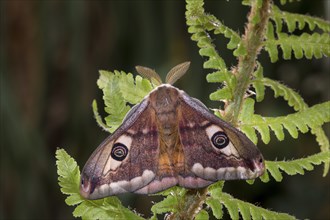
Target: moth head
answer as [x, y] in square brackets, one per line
[235, 145]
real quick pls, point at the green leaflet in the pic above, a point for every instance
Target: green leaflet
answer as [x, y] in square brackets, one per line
[216, 207]
[283, 2]
[323, 141]
[200, 24]
[293, 98]
[238, 208]
[98, 118]
[202, 215]
[171, 203]
[294, 21]
[294, 167]
[305, 45]
[258, 85]
[312, 117]
[68, 176]
[119, 89]
[69, 181]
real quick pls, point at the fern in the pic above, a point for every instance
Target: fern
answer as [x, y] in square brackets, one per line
[119, 89]
[312, 117]
[170, 204]
[235, 207]
[294, 21]
[283, 2]
[306, 45]
[264, 31]
[69, 180]
[199, 26]
[294, 167]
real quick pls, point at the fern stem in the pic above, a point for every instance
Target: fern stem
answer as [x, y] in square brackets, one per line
[192, 203]
[252, 40]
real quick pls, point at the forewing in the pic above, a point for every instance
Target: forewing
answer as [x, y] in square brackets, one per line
[213, 149]
[127, 160]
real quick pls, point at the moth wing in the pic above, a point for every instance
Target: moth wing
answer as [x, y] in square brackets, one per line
[127, 160]
[213, 149]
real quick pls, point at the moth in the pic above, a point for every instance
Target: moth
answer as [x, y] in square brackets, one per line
[169, 139]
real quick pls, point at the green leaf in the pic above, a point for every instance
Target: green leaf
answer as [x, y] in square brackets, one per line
[216, 207]
[294, 167]
[218, 76]
[69, 180]
[271, 48]
[169, 204]
[68, 175]
[312, 117]
[247, 210]
[133, 91]
[115, 104]
[174, 195]
[293, 98]
[98, 117]
[119, 89]
[221, 94]
[305, 45]
[109, 208]
[283, 2]
[202, 215]
[299, 21]
[323, 141]
[258, 84]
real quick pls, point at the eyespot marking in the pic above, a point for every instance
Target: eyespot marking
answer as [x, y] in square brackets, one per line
[119, 151]
[220, 139]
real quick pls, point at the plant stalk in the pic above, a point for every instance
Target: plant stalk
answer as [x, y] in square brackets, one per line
[252, 40]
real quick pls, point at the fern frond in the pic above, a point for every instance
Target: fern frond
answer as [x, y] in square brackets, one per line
[171, 203]
[216, 207]
[115, 104]
[98, 118]
[258, 84]
[312, 117]
[271, 48]
[238, 207]
[295, 101]
[119, 89]
[293, 98]
[283, 2]
[202, 215]
[299, 21]
[305, 45]
[68, 176]
[69, 180]
[199, 24]
[294, 167]
[323, 141]
[133, 90]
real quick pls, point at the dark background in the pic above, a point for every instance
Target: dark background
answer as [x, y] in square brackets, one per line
[51, 52]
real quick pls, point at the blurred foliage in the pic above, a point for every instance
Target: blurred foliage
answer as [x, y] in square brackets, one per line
[51, 52]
